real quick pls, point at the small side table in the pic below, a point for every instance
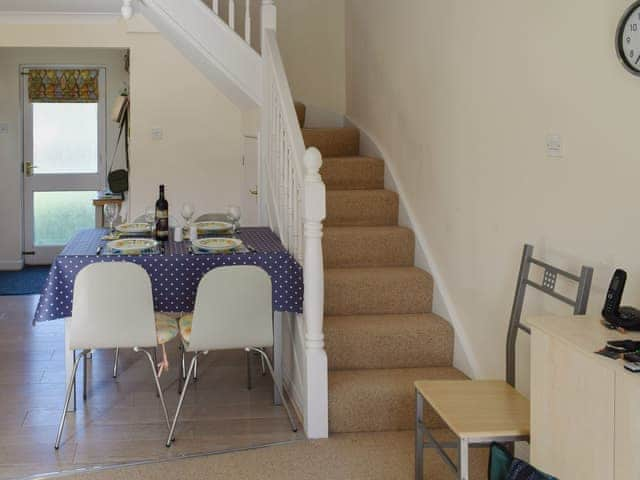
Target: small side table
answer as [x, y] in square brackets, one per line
[99, 204]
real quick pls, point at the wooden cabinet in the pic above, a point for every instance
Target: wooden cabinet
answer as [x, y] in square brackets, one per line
[584, 418]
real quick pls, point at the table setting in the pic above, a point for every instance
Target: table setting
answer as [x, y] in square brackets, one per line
[177, 264]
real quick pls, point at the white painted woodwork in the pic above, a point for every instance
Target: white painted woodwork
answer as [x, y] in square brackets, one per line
[247, 21]
[293, 199]
[232, 15]
[215, 6]
[218, 51]
[584, 417]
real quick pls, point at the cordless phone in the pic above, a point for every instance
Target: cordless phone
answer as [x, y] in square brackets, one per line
[627, 318]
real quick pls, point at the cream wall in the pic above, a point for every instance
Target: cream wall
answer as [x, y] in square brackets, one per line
[311, 39]
[199, 158]
[10, 112]
[461, 95]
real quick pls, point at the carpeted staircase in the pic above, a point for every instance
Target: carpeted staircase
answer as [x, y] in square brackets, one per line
[380, 333]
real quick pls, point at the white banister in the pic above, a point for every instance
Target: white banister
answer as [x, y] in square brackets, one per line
[247, 21]
[294, 200]
[232, 14]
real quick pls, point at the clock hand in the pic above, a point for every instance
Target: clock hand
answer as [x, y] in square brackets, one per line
[637, 60]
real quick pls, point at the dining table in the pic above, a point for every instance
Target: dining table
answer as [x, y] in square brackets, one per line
[175, 270]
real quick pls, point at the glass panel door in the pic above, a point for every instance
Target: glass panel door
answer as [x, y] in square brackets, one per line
[64, 151]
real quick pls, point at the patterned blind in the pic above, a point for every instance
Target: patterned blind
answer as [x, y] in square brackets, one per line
[63, 86]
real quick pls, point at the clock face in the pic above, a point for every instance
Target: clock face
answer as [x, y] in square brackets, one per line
[629, 39]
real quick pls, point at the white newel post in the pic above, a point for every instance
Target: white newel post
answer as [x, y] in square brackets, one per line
[317, 407]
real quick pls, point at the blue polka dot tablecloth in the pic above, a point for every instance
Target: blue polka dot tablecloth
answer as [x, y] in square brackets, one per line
[175, 274]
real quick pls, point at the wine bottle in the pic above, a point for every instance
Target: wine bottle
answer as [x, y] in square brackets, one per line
[162, 217]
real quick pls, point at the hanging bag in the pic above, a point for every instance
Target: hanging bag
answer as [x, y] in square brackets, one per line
[118, 180]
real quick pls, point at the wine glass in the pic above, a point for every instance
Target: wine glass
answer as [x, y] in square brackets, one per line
[150, 214]
[234, 213]
[187, 213]
[111, 211]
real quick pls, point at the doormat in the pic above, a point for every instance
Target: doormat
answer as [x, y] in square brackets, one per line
[28, 281]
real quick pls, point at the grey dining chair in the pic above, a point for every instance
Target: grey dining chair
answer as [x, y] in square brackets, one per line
[500, 412]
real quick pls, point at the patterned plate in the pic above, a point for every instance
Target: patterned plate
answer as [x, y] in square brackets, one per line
[211, 227]
[129, 228]
[131, 246]
[217, 245]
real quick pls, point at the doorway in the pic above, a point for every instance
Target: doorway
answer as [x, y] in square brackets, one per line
[64, 150]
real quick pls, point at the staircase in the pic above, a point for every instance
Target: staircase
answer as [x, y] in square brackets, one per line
[380, 333]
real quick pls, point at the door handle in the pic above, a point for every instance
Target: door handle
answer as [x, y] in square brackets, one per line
[254, 191]
[28, 168]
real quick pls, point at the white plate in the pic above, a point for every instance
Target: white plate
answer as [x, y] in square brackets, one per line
[130, 228]
[209, 227]
[131, 245]
[217, 244]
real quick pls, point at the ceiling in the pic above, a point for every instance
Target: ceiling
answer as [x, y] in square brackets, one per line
[61, 6]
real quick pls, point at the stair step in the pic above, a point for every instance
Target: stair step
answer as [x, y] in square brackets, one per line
[301, 112]
[388, 341]
[375, 400]
[352, 173]
[361, 208]
[333, 142]
[370, 291]
[368, 247]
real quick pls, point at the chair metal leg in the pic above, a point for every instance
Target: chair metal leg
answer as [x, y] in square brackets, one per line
[85, 376]
[155, 378]
[463, 459]
[264, 367]
[419, 440]
[182, 395]
[195, 370]
[285, 403]
[116, 356]
[70, 388]
[249, 385]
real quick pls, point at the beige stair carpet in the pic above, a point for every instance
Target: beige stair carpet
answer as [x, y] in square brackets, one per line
[380, 333]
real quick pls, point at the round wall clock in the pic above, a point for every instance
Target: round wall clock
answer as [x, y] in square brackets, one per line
[628, 39]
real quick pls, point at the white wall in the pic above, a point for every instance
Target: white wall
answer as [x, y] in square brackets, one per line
[311, 39]
[10, 112]
[462, 95]
[199, 158]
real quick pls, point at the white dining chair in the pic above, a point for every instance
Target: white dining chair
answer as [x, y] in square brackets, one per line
[113, 308]
[233, 310]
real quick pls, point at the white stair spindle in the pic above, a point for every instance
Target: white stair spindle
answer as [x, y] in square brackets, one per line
[232, 14]
[215, 6]
[268, 15]
[247, 21]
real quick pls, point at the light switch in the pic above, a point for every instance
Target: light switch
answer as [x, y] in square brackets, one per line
[554, 146]
[157, 133]
[4, 128]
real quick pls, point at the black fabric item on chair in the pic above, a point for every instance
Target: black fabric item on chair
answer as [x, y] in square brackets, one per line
[521, 470]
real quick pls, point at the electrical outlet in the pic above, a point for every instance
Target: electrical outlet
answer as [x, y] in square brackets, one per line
[554, 146]
[157, 133]
[4, 128]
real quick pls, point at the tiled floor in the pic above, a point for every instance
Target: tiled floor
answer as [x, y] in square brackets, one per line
[121, 422]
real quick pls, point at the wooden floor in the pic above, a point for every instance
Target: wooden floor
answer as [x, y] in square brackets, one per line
[121, 422]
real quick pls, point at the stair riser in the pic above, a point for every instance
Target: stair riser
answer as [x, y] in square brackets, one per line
[365, 247]
[388, 341]
[338, 142]
[352, 173]
[347, 294]
[368, 208]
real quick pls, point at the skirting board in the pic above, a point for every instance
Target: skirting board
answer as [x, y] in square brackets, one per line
[464, 358]
[13, 265]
